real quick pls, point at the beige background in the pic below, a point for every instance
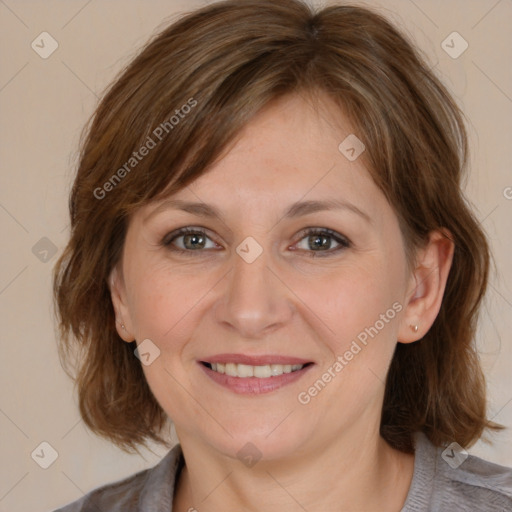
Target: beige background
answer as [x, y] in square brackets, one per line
[45, 102]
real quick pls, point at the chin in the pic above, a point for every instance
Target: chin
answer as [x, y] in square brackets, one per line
[265, 441]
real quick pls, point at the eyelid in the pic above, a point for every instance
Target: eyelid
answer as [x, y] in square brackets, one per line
[170, 237]
[318, 230]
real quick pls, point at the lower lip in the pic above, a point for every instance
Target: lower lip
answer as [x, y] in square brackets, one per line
[254, 385]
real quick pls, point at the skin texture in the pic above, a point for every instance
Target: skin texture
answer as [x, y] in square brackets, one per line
[324, 455]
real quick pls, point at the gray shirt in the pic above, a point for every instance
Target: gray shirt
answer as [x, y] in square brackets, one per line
[443, 481]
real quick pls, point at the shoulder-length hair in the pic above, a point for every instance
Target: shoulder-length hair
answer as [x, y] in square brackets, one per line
[184, 99]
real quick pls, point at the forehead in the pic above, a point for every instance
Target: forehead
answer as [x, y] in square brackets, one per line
[290, 147]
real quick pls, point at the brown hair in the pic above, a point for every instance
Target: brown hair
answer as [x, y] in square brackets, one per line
[225, 62]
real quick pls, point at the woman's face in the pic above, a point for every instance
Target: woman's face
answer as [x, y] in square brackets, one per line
[250, 290]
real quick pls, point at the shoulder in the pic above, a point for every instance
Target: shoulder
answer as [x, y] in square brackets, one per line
[150, 489]
[447, 479]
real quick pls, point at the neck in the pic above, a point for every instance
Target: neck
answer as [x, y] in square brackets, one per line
[356, 472]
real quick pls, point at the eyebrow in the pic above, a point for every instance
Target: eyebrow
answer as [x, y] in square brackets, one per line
[298, 209]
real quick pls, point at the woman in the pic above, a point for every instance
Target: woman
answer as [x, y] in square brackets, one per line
[270, 247]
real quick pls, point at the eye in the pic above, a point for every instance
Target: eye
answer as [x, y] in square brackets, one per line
[318, 240]
[188, 240]
[314, 241]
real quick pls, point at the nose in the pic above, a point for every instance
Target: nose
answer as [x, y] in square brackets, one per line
[254, 301]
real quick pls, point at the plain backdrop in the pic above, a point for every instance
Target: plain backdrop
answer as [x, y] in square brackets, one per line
[44, 103]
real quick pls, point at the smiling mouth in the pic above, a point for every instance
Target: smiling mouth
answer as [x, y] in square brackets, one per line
[246, 370]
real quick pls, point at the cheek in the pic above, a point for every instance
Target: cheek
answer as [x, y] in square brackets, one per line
[170, 303]
[354, 299]
[362, 313]
[166, 307]
[161, 300]
[363, 309]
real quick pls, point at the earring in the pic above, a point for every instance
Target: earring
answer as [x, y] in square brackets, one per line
[122, 327]
[414, 328]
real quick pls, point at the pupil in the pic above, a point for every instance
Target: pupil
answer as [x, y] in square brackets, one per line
[195, 241]
[323, 241]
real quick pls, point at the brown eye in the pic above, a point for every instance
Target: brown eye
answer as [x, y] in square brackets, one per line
[188, 240]
[194, 241]
[322, 240]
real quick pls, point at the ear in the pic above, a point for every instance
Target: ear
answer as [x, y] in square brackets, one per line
[426, 286]
[118, 296]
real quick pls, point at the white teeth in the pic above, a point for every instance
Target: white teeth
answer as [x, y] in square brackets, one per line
[276, 369]
[231, 369]
[262, 372]
[244, 370]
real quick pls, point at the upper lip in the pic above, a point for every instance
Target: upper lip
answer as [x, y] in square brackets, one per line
[255, 360]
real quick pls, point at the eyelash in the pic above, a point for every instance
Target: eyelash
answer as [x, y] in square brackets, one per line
[343, 242]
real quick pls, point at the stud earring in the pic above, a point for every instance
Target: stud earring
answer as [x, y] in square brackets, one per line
[414, 328]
